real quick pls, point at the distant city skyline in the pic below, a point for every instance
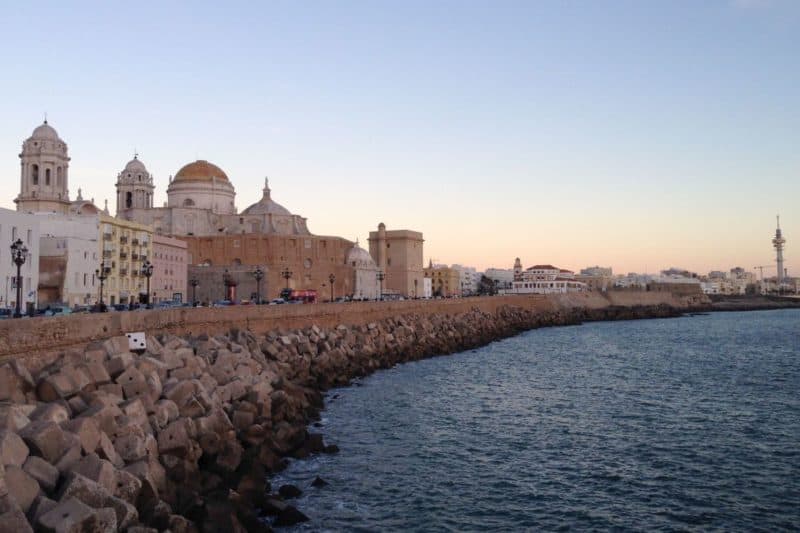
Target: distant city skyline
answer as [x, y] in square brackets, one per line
[623, 134]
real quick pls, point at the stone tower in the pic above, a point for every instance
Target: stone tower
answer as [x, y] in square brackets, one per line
[134, 187]
[44, 182]
[517, 270]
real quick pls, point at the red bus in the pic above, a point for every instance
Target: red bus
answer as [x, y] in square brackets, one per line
[308, 296]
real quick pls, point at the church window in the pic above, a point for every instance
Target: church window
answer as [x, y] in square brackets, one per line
[47, 176]
[188, 202]
[307, 263]
[140, 177]
[254, 227]
[35, 174]
[236, 243]
[241, 220]
[128, 199]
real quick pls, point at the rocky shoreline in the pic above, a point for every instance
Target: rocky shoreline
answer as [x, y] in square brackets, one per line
[182, 436]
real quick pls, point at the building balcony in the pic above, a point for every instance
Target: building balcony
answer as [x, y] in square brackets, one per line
[135, 241]
[108, 253]
[123, 239]
[107, 236]
[123, 255]
[123, 271]
[143, 257]
[134, 255]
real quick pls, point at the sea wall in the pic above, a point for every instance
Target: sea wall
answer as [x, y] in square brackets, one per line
[40, 340]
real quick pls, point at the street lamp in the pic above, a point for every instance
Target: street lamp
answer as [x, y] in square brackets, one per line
[286, 274]
[332, 278]
[381, 276]
[194, 282]
[147, 271]
[102, 275]
[18, 254]
[259, 275]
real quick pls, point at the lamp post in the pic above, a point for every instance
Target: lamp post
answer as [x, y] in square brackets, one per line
[286, 274]
[18, 254]
[381, 276]
[147, 271]
[194, 282]
[259, 275]
[332, 278]
[102, 275]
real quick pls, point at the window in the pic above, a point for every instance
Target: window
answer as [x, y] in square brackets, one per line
[84, 279]
[128, 199]
[35, 174]
[188, 202]
[47, 176]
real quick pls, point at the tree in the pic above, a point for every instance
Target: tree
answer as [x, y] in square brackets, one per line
[486, 286]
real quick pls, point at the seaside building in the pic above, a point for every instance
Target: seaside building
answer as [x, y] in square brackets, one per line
[501, 277]
[544, 279]
[15, 225]
[445, 281]
[69, 257]
[398, 254]
[124, 247]
[468, 278]
[365, 284]
[170, 269]
[597, 271]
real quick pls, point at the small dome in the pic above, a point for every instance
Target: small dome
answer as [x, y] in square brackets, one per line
[358, 256]
[201, 171]
[45, 131]
[134, 165]
[266, 208]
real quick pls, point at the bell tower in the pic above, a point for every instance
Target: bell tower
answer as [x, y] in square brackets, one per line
[44, 173]
[134, 187]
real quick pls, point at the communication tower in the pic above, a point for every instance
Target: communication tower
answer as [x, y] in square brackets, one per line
[777, 242]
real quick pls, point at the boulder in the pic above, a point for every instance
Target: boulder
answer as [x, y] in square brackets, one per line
[87, 431]
[105, 450]
[95, 495]
[98, 470]
[289, 491]
[127, 487]
[289, 516]
[55, 387]
[22, 486]
[13, 417]
[50, 412]
[319, 482]
[176, 438]
[117, 364]
[43, 472]
[70, 516]
[45, 439]
[13, 450]
[14, 521]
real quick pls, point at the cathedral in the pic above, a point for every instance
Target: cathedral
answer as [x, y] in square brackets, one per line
[224, 246]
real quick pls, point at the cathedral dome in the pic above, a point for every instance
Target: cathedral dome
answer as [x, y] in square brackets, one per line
[200, 171]
[45, 131]
[266, 206]
[359, 257]
[134, 165]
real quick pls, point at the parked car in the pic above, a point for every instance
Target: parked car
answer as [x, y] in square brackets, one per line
[277, 301]
[57, 310]
[223, 303]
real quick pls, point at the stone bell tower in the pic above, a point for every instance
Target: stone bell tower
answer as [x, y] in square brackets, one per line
[44, 182]
[134, 187]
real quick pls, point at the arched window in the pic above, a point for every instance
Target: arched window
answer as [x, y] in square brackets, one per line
[188, 202]
[47, 176]
[128, 199]
[35, 174]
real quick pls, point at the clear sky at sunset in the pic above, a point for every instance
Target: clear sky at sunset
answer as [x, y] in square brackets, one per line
[635, 134]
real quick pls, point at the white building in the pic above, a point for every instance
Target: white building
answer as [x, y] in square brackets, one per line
[365, 275]
[544, 279]
[13, 226]
[69, 248]
[427, 288]
[501, 277]
[469, 278]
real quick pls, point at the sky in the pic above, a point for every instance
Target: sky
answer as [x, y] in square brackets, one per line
[637, 135]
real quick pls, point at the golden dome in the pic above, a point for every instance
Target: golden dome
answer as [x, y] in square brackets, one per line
[200, 171]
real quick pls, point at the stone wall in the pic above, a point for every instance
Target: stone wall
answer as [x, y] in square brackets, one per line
[39, 340]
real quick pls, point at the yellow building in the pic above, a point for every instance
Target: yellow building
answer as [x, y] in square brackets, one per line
[124, 247]
[445, 281]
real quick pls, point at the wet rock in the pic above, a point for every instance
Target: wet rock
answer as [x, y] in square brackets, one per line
[289, 491]
[319, 482]
[289, 517]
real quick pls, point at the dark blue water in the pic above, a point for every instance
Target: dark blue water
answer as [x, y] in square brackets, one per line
[676, 424]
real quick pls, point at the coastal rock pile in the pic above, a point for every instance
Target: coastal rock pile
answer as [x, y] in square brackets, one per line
[183, 435]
